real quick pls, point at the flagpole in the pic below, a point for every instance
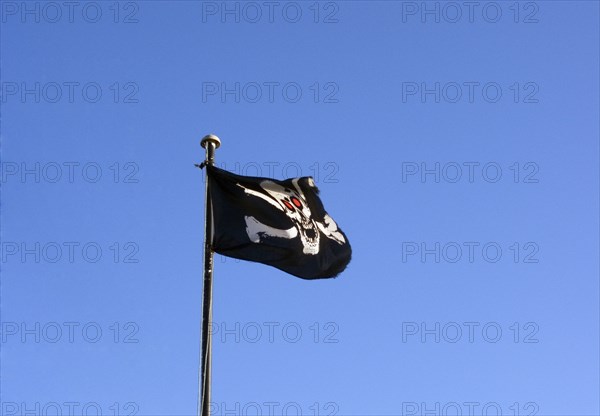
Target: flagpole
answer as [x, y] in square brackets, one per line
[210, 143]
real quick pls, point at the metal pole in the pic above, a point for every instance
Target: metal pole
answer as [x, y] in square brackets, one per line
[210, 143]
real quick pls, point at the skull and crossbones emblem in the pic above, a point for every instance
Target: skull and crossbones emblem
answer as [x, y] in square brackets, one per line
[293, 203]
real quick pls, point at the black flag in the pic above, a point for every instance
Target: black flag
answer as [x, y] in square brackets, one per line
[279, 223]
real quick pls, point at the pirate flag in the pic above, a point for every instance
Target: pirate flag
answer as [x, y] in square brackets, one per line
[279, 223]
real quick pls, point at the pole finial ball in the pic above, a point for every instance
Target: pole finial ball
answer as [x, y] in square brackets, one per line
[212, 139]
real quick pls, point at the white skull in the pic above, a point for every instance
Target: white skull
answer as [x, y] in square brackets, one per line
[293, 203]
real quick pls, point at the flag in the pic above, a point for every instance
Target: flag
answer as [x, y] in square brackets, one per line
[279, 223]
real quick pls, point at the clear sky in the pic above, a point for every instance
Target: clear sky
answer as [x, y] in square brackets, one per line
[456, 144]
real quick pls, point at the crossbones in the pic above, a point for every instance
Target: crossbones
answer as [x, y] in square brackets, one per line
[293, 203]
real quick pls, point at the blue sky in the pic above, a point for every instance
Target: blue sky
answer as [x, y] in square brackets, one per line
[455, 143]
